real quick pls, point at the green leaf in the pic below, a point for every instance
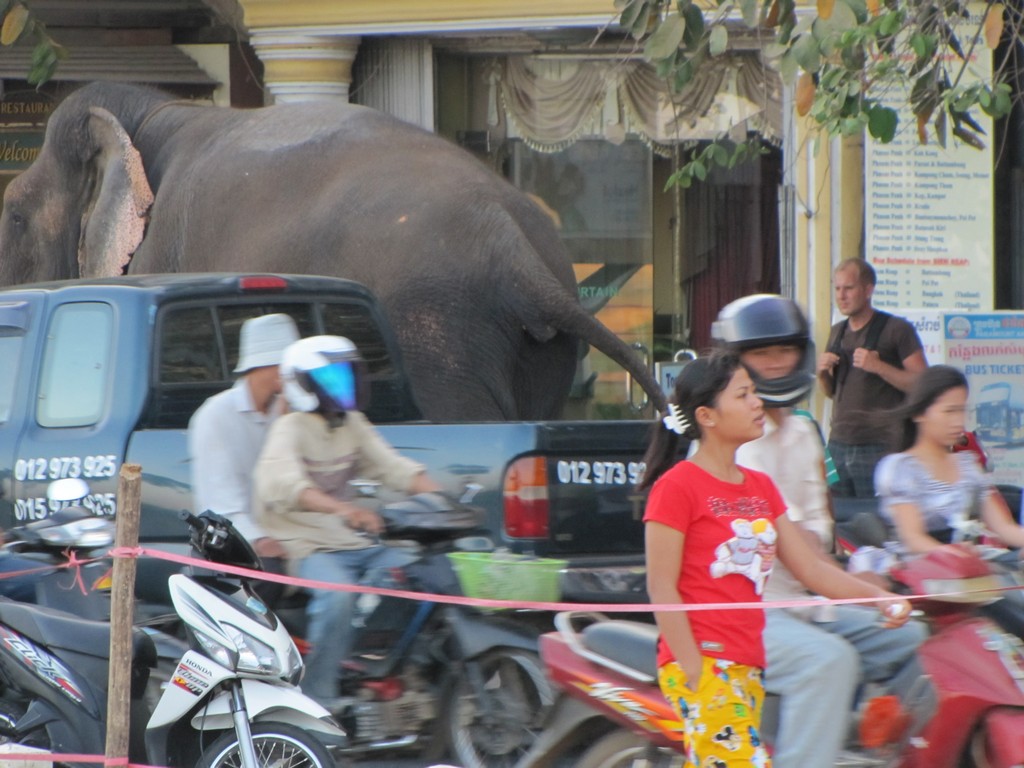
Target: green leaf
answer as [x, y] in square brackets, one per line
[683, 75]
[841, 20]
[803, 24]
[719, 40]
[882, 123]
[666, 38]
[853, 57]
[860, 9]
[700, 170]
[694, 18]
[665, 67]
[1003, 103]
[631, 13]
[805, 51]
[748, 9]
[917, 42]
[940, 128]
[925, 93]
[788, 68]
[851, 126]
[890, 23]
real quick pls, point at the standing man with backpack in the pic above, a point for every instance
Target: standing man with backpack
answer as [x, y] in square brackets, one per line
[872, 359]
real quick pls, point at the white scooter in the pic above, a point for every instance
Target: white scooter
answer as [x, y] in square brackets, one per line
[237, 685]
[231, 702]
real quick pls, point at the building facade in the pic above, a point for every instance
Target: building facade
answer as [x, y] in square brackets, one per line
[552, 97]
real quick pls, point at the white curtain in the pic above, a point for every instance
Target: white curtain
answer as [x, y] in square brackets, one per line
[552, 102]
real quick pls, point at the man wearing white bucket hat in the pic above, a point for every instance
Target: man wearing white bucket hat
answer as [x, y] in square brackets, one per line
[226, 434]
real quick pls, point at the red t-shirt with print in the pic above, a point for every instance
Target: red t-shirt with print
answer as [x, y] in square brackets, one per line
[728, 551]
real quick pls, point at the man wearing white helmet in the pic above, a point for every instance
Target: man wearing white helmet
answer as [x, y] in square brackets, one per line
[226, 433]
[304, 499]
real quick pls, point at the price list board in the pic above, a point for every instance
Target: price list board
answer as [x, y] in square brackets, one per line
[929, 215]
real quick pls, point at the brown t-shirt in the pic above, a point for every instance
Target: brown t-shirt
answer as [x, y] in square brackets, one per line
[858, 392]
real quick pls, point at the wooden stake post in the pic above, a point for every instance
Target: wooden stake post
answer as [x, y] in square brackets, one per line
[122, 609]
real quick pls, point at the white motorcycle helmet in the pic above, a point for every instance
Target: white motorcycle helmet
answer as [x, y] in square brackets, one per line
[325, 374]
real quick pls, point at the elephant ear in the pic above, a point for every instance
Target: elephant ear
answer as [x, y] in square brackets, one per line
[114, 219]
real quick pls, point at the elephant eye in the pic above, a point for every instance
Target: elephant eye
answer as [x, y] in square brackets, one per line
[17, 219]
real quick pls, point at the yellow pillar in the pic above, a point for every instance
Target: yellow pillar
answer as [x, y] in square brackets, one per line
[829, 177]
[303, 67]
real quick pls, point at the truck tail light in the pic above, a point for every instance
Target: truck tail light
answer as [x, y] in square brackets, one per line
[526, 499]
[262, 284]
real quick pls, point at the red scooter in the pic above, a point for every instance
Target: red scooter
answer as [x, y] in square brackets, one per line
[973, 684]
[967, 708]
[610, 711]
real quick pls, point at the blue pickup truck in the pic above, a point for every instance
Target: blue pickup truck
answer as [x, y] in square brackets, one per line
[100, 372]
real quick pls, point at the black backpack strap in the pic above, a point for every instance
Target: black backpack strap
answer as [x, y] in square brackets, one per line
[838, 340]
[875, 327]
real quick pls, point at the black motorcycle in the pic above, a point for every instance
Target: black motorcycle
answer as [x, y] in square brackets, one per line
[433, 678]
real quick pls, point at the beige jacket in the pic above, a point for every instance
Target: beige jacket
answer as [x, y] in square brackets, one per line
[302, 451]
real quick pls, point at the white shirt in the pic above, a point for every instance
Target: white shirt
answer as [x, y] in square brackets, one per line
[791, 455]
[225, 436]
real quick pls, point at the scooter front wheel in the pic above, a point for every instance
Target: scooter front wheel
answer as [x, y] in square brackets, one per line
[622, 749]
[276, 744]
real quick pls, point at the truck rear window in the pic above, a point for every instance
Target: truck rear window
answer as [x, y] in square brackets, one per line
[198, 352]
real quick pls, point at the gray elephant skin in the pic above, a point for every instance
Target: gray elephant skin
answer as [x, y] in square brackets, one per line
[471, 273]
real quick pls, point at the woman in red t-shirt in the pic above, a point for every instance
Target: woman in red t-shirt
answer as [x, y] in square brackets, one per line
[713, 530]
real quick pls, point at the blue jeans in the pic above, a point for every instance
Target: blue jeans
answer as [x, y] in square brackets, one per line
[816, 668]
[855, 465]
[330, 613]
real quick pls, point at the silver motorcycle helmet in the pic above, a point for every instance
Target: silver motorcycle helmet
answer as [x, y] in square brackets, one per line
[324, 374]
[762, 320]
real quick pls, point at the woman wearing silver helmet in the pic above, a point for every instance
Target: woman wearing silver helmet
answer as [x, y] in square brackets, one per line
[815, 657]
[303, 497]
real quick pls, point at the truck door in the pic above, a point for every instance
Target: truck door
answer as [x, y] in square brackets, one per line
[71, 427]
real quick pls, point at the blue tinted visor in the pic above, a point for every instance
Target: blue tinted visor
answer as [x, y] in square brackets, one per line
[338, 382]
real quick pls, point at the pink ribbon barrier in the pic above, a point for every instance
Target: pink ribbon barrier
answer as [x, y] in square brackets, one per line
[48, 757]
[122, 762]
[517, 604]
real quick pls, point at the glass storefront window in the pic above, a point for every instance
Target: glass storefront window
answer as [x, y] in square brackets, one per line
[599, 195]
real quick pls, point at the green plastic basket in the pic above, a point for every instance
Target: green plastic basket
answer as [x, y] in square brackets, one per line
[504, 576]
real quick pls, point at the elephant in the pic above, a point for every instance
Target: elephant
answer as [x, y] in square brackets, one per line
[470, 272]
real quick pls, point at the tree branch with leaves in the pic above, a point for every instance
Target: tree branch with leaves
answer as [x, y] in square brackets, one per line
[19, 25]
[855, 64]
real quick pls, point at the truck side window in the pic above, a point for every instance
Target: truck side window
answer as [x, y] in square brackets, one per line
[11, 342]
[76, 370]
[14, 319]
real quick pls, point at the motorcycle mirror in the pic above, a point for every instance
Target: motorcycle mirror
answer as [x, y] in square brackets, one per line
[67, 489]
